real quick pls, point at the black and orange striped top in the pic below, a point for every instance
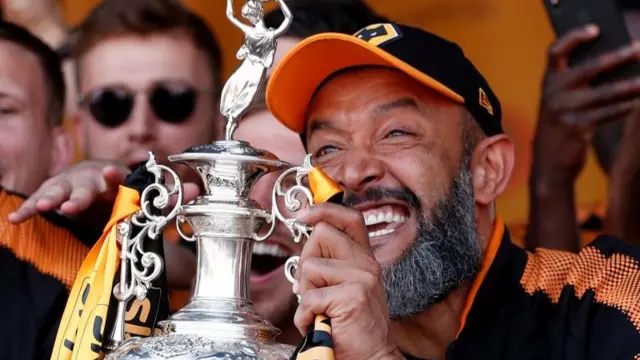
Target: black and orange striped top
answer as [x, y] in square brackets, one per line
[39, 259]
[552, 304]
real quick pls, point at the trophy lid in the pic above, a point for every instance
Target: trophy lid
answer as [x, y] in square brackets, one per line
[230, 150]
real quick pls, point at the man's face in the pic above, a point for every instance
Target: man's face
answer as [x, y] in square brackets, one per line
[271, 292]
[396, 148]
[160, 69]
[29, 151]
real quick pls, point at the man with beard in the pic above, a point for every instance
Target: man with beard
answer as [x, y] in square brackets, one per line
[416, 263]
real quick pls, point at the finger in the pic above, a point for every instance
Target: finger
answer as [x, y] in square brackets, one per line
[593, 117]
[315, 302]
[326, 241]
[80, 200]
[605, 94]
[562, 48]
[190, 192]
[349, 221]
[587, 71]
[320, 272]
[333, 301]
[114, 176]
[48, 197]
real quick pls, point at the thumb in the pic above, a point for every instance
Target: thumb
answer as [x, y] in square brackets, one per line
[113, 176]
[190, 191]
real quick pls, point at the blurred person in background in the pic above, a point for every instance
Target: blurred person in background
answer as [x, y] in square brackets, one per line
[573, 115]
[40, 257]
[44, 19]
[148, 75]
[271, 292]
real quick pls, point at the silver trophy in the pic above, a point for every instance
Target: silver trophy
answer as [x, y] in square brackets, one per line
[219, 322]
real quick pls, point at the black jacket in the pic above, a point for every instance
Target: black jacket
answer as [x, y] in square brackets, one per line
[553, 305]
[38, 263]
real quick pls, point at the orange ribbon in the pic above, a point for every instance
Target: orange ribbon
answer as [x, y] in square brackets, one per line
[81, 329]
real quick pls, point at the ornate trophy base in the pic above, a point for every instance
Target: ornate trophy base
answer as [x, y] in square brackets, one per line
[219, 322]
[198, 347]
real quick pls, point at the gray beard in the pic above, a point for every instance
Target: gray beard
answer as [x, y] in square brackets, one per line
[445, 254]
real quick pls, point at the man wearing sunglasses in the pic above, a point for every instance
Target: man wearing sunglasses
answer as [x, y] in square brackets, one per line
[148, 76]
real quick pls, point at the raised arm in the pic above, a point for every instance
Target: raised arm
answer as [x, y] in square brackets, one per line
[288, 17]
[232, 17]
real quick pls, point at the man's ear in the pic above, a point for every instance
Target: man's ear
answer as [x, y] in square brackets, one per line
[61, 151]
[492, 163]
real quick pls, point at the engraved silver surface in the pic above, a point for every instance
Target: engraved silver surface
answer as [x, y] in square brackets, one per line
[219, 321]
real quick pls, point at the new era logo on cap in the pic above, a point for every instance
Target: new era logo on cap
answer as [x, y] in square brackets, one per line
[379, 34]
[485, 102]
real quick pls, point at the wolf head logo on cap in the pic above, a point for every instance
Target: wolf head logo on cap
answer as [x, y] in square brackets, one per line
[379, 34]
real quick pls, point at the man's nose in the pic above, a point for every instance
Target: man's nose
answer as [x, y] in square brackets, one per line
[142, 122]
[360, 169]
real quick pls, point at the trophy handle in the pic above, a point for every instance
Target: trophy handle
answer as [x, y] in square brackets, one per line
[140, 268]
[321, 189]
[291, 202]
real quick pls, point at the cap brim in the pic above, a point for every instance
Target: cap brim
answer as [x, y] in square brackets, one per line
[295, 80]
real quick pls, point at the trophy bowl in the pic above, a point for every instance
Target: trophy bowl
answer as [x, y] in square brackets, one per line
[219, 321]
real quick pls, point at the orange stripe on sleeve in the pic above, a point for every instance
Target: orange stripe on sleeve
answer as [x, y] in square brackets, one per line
[52, 250]
[615, 280]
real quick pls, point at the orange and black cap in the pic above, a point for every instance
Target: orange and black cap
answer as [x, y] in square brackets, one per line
[435, 62]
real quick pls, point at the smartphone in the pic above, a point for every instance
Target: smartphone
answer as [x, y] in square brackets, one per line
[566, 15]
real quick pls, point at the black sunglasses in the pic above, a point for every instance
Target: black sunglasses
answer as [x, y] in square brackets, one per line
[112, 106]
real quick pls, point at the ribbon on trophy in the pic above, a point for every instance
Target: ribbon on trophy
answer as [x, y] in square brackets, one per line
[317, 344]
[91, 305]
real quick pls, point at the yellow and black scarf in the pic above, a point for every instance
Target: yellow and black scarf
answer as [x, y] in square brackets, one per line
[91, 308]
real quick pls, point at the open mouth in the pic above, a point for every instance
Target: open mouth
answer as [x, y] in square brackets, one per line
[268, 257]
[385, 219]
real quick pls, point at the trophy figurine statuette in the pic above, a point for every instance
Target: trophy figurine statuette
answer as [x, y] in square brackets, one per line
[219, 321]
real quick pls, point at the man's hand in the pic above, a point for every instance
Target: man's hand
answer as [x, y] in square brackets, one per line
[571, 108]
[75, 190]
[338, 276]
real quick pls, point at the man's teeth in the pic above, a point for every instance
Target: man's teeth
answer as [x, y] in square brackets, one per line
[381, 232]
[270, 249]
[373, 219]
[379, 216]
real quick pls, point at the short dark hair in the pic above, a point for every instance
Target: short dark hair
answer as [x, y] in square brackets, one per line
[312, 17]
[629, 5]
[51, 66]
[145, 17]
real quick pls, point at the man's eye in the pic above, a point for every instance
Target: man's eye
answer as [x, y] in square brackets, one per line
[4, 110]
[396, 133]
[325, 150]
